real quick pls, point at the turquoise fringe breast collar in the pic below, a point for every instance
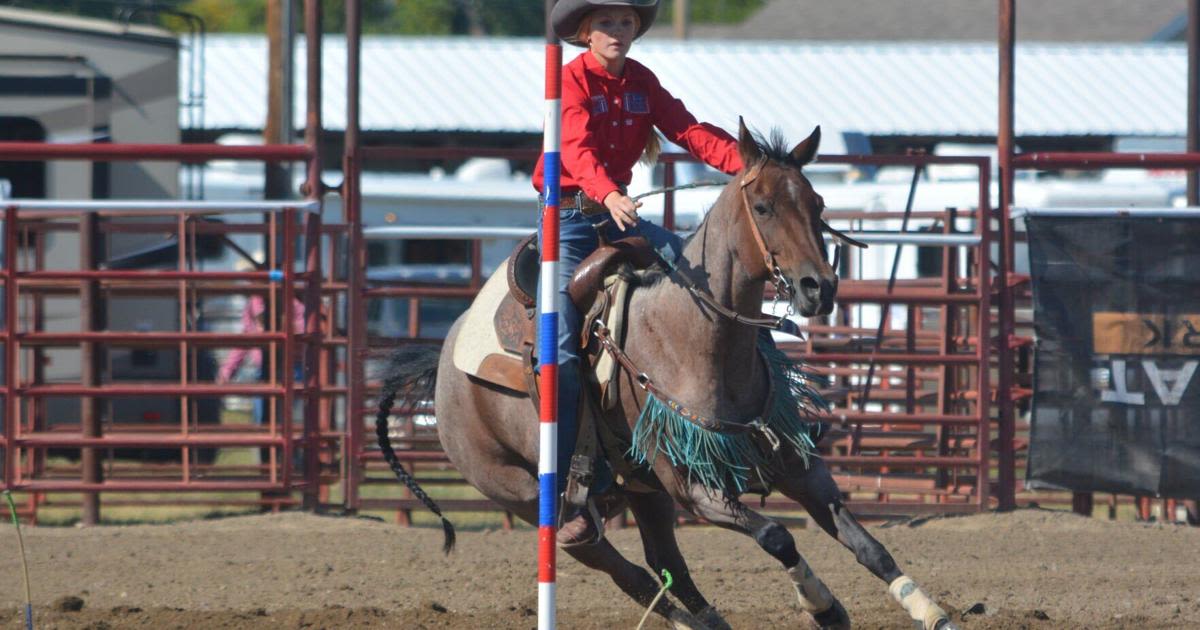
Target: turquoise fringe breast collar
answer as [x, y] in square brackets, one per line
[727, 456]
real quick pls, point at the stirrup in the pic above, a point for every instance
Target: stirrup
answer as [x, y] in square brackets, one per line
[579, 480]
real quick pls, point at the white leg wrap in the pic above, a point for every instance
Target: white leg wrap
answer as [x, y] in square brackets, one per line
[918, 605]
[814, 596]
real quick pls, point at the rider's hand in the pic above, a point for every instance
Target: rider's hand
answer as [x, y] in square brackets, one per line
[622, 208]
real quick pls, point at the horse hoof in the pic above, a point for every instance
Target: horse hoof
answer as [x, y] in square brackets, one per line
[683, 620]
[945, 624]
[712, 619]
[833, 618]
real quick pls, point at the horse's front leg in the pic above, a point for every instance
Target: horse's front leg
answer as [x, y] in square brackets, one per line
[815, 489]
[633, 580]
[655, 513]
[729, 513]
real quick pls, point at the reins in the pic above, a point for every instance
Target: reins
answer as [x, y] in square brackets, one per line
[643, 380]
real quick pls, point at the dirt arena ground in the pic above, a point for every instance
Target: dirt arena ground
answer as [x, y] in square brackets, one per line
[1029, 569]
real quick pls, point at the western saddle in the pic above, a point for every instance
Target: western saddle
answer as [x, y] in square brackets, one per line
[595, 289]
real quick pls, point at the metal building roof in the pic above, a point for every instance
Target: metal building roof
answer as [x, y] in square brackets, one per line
[89, 26]
[957, 20]
[942, 89]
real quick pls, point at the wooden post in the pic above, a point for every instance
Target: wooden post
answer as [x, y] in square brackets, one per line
[680, 23]
[277, 128]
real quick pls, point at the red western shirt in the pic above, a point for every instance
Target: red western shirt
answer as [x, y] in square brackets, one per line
[606, 121]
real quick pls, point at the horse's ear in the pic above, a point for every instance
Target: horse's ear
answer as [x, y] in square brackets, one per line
[807, 150]
[747, 146]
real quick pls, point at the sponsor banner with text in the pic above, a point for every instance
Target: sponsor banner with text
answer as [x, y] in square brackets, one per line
[1117, 317]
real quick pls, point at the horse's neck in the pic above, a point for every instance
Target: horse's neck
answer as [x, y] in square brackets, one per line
[711, 260]
[719, 367]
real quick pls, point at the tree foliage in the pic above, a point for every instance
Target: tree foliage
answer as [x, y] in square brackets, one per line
[713, 11]
[401, 17]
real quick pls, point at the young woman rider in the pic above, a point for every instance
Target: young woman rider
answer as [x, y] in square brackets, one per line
[611, 105]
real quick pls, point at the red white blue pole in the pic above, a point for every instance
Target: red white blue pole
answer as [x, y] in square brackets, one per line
[548, 334]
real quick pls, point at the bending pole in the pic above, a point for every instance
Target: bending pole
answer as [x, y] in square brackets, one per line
[548, 334]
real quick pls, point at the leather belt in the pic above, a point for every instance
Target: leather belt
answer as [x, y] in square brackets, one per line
[578, 201]
[574, 199]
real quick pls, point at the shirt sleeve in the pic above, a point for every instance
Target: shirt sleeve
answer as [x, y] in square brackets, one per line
[234, 361]
[254, 306]
[580, 149]
[715, 146]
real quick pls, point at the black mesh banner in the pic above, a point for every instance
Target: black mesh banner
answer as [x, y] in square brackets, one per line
[1117, 316]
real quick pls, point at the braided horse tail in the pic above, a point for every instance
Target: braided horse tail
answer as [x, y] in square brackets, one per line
[410, 375]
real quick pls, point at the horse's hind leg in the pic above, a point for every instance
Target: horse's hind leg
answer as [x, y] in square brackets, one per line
[773, 537]
[816, 490]
[655, 513]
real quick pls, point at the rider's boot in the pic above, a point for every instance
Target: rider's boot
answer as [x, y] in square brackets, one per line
[581, 525]
[584, 524]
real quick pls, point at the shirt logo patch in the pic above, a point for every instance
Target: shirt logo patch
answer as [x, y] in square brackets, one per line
[599, 105]
[636, 103]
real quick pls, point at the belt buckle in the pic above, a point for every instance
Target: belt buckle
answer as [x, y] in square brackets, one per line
[570, 202]
[589, 207]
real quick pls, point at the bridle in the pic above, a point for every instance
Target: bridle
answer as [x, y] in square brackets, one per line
[783, 285]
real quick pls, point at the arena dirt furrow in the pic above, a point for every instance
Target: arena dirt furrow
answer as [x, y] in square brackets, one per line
[1029, 569]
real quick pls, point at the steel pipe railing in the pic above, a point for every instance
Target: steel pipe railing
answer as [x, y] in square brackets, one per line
[1139, 213]
[1091, 161]
[86, 206]
[110, 152]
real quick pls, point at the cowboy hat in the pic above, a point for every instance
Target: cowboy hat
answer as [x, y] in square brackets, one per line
[568, 15]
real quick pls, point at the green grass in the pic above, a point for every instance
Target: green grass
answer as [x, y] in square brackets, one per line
[62, 508]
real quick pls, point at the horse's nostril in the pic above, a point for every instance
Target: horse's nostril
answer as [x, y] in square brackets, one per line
[809, 285]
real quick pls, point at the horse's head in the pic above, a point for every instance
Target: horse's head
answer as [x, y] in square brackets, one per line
[782, 239]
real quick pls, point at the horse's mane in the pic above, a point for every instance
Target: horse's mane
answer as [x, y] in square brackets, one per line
[775, 147]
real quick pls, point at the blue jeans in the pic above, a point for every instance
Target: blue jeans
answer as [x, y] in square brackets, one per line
[260, 411]
[260, 402]
[577, 239]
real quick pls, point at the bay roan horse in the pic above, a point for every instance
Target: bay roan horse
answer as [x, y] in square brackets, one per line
[766, 222]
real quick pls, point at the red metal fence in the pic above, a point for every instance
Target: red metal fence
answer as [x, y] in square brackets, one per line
[923, 443]
[938, 430]
[90, 441]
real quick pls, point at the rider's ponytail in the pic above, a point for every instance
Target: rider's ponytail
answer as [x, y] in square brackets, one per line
[653, 148]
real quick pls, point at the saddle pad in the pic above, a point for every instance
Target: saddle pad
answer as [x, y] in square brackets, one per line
[604, 374]
[478, 350]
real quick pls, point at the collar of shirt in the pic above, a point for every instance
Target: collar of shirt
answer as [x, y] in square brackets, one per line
[633, 69]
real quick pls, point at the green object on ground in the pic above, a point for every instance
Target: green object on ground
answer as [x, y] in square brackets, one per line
[12, 509]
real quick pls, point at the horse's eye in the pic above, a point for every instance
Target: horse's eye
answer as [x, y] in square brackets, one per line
[762, 208]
